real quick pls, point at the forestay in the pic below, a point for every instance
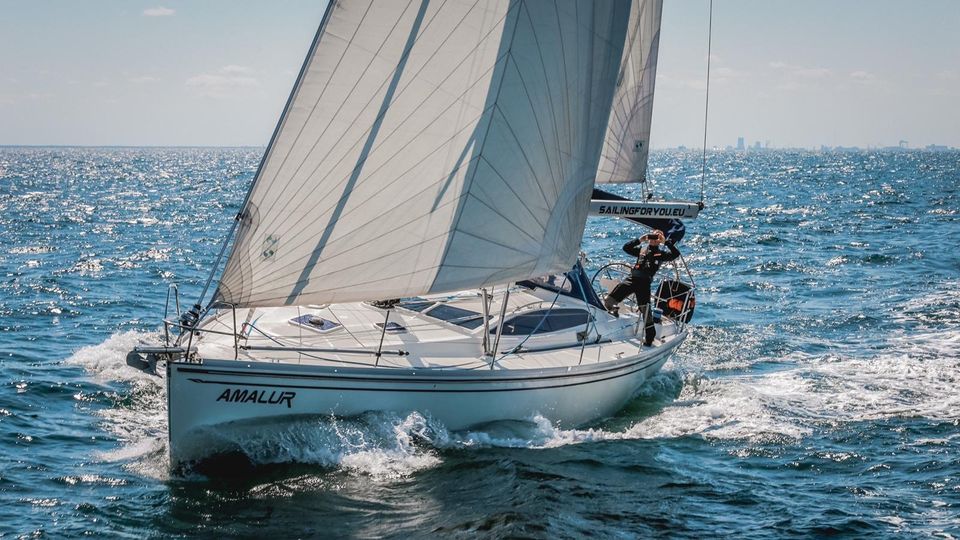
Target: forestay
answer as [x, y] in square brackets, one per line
[627, 142]
[430, 146]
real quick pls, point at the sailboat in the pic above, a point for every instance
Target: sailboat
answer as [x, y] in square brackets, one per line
[410, 241]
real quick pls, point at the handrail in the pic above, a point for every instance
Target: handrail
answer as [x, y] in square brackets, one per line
[378, 353]
[166, 309]
[520, 350]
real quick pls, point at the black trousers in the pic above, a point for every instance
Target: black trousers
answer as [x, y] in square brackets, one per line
[639, 286]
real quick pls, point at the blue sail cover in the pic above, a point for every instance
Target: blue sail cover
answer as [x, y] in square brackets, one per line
[672, 228]
[575, 284]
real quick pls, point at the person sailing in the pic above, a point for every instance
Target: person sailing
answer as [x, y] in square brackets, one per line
[649, 259]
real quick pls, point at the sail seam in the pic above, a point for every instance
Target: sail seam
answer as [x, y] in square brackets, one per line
[546, 79]
[391, 182]
[536, 120]
[419, 270]
[263, 160]
[502, 179]
[361, 161]
[413, 209]
[566, 81]
[333, 118]
[355, 246]
[468, 182]
[523, 153]
[326, 85]
[388, 136]
[502, 215]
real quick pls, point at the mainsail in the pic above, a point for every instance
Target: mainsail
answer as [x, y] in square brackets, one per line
[430, 146]
[627, 142]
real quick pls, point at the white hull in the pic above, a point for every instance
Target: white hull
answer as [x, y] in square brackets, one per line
[215, 393]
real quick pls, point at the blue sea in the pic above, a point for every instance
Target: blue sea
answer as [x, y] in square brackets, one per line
[819, 394]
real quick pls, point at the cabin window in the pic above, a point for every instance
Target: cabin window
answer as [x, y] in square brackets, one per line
[416, 304]
[445, 312]
[455, 315]
[553, 321]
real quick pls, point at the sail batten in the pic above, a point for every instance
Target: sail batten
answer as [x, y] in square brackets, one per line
[431, 146]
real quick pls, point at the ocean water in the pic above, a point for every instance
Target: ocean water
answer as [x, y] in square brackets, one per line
[819, 394]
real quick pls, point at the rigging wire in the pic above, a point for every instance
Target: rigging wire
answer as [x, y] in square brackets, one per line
[706, 105]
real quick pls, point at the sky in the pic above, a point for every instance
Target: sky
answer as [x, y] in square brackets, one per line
[218, 72]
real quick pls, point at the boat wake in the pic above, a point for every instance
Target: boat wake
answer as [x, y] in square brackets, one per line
[910, 376]
[138, 419]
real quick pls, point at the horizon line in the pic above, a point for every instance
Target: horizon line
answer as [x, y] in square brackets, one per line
[685, 148]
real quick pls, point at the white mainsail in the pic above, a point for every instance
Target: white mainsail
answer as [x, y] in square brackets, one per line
[430, 146]
[627, 141]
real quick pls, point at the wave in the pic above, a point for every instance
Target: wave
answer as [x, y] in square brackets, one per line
[138, 420]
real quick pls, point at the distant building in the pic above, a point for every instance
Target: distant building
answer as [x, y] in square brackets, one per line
[740, 143]
[756, 145]
[936, 148]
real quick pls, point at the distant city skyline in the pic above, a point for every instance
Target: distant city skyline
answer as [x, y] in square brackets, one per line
[742, 145]
[853, 73]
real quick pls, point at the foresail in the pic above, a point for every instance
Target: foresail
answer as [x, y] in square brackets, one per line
[430, 146]
[627, 142]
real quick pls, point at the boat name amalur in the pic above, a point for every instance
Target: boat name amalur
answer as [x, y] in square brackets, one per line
[257, 396]
[641, 211]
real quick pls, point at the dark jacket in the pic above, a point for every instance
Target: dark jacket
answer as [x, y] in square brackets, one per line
[648, 263]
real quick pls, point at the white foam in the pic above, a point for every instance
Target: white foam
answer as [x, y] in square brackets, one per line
[714, 409]
[107, 361]
[380, 445]
[140, 425]
[915, 377]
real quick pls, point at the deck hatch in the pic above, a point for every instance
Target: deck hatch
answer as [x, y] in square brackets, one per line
[315, 323]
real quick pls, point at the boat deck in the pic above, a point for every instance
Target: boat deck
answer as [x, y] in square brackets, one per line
[434, 332]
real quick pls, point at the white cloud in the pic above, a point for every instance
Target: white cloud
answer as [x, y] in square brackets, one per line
[863, 77]
[675, 81]
[946, 83]
[143, 79]
[159, 11]
[228, 81]
[726, 74]
[949, 75]
[233, 69]
[801, 72]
